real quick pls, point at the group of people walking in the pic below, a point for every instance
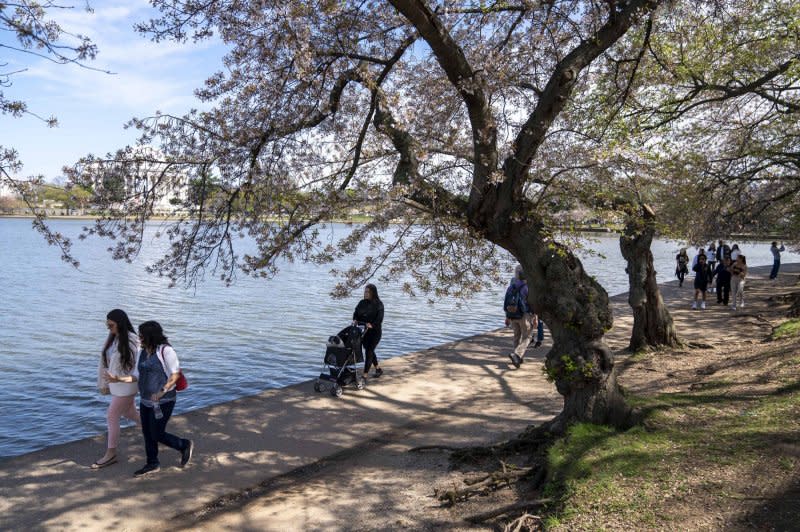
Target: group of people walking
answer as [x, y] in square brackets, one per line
[726, 265]
[143, 363]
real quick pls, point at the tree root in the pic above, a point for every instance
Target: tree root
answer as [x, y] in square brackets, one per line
[699, 345]
[485, 484]
[511, 508]
[524, 522]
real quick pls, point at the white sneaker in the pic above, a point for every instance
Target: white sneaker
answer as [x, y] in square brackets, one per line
[733, 307]
[741, 305]
[703, 305]
[694, 305]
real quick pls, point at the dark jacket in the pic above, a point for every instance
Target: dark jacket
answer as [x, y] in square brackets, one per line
[702, 275]
[722, 274]
[369, 311]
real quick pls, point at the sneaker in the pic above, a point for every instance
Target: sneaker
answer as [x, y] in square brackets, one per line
[514, 360]
[703, 305]
[694, 305]
[537, 344]
[378, 372]
[146, 470]
[733, 307]
[741, 305]
[186, 453]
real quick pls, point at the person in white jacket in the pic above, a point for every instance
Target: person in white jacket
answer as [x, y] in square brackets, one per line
[118, 375]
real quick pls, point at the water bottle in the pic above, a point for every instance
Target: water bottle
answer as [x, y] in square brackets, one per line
[157, 411]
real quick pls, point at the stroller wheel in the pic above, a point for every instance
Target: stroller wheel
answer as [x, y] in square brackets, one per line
[317, 387]
[336, 390]
[361, 382]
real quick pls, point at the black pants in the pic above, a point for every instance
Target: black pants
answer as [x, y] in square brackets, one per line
[154, 432]
[681, 273]
[723, 291]
[369, 343]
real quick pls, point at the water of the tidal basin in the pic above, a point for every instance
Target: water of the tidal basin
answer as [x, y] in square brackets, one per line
[233, 341]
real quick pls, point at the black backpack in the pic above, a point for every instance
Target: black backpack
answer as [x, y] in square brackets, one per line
[513, 304]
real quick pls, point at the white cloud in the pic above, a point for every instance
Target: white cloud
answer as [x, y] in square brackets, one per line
[91, 105]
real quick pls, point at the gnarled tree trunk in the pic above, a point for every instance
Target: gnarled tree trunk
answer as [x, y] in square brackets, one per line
[652, 322]
[577, 312]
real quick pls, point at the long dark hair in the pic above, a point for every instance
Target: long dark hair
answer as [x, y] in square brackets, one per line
[124, 327]
[373, 292]
[152, 335]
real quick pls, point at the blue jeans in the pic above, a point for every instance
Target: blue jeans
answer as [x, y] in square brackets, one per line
[775, 266]
[154, 431]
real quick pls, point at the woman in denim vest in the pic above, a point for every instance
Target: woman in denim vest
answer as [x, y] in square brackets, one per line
[158, 372]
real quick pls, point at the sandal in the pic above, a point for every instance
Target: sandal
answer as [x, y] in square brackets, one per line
[101, 465]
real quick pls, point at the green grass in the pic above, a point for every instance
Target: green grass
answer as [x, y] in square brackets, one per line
[609, 480]
[787, 329]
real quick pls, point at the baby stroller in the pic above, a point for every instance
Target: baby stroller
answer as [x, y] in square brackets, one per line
[342, 354]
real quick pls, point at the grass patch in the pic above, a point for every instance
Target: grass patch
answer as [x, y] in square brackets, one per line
[691, 445]
[787, 329]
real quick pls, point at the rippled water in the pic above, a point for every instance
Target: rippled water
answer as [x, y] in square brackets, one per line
[233, 341]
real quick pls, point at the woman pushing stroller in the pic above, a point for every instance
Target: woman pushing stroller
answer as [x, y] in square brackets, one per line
[369, 312]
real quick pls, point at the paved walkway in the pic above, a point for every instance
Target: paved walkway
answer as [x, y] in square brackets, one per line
[457, 388]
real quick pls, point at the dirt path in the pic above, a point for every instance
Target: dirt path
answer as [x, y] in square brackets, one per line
[380, 485]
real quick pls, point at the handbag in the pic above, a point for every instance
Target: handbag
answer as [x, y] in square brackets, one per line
[181, 384]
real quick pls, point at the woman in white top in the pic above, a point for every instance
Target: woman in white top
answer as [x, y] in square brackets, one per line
[118, 375]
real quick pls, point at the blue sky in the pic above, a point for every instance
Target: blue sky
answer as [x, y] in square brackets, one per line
[92, 106]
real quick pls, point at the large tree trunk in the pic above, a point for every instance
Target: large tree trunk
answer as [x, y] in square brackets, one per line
[577, 312]
[652, 322]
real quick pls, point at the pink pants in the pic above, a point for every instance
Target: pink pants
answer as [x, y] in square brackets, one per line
[120, 406]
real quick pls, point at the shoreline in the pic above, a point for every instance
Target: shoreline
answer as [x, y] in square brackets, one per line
[619, 303]
[463, 392]
[745, 237]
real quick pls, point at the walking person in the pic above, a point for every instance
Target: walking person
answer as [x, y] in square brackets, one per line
[735, 252]
[118, 376]
[681, 265]
[701, 278]
[519, 316]
[776, 259]
[723, 275]
[738, 273]
[539, 332]
[711, 254]
[723, 251]
[369, 312]
[159, 370]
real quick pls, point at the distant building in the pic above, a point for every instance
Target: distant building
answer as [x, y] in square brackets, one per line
[149, 176]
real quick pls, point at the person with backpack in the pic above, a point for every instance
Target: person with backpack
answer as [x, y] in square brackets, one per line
[159, 371]
[518, 315]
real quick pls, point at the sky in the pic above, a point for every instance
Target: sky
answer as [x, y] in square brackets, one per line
[92, 107]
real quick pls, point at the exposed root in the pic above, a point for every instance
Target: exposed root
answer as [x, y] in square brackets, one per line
[485, 484]
[526, 522]
[511, 508]
[699, 345]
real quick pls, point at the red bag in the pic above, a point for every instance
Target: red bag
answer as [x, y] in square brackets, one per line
[181, 384]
